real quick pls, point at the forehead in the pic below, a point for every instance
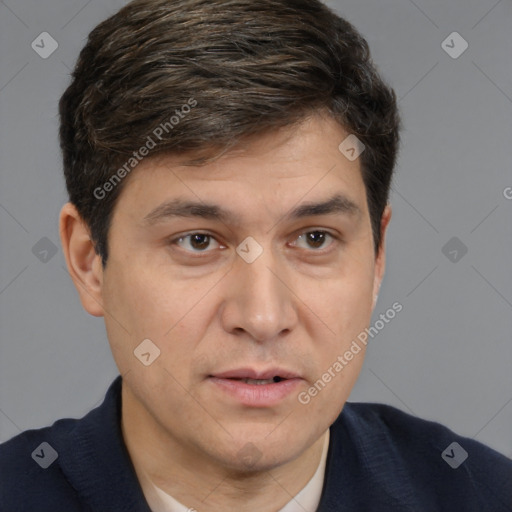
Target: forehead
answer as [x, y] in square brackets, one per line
[296, 164]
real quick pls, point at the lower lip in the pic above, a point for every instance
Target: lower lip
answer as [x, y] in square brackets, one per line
[257, 395]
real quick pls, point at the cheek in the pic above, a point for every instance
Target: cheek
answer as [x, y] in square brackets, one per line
[172, 313]
[352, 310]
[347, 315]
[152, 302]
[344, 302]
[340, 355]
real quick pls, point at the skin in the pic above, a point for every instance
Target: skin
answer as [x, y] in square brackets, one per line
[297, 306]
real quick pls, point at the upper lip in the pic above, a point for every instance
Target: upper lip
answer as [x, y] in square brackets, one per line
[251, 373]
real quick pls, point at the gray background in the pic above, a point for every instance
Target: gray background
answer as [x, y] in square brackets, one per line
[447, 356]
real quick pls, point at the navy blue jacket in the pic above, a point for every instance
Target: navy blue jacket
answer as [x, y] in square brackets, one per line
[380, 459]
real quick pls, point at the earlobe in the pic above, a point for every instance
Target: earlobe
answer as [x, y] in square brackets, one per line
[84, 264]
[380, 261]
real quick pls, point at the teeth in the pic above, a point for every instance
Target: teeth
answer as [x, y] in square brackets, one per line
[258, 382]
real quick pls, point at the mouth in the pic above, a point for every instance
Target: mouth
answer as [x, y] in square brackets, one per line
[261, 382]
[271, 374]
[255, 388]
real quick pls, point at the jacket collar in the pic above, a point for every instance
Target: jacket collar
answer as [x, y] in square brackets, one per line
[95, 460]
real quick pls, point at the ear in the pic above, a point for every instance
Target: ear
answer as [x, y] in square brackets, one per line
[380, 260]
[84, 265]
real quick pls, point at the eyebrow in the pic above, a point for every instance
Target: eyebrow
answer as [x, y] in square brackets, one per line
[183, 208]
[338, 204]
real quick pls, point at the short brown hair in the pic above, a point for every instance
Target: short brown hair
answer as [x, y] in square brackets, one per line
[249, 66]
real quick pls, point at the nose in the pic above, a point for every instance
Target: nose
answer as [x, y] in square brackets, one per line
[258, 301]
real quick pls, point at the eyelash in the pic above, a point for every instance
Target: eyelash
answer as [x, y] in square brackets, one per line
[322, 250]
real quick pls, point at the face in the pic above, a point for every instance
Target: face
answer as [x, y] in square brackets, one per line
[258, 265]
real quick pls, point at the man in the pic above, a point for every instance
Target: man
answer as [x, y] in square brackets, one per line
[228, 165]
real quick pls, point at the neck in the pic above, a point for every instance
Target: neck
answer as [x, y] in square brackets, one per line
[191, 477]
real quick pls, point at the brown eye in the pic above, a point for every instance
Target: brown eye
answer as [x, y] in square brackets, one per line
[197, 242]
[314, 240]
